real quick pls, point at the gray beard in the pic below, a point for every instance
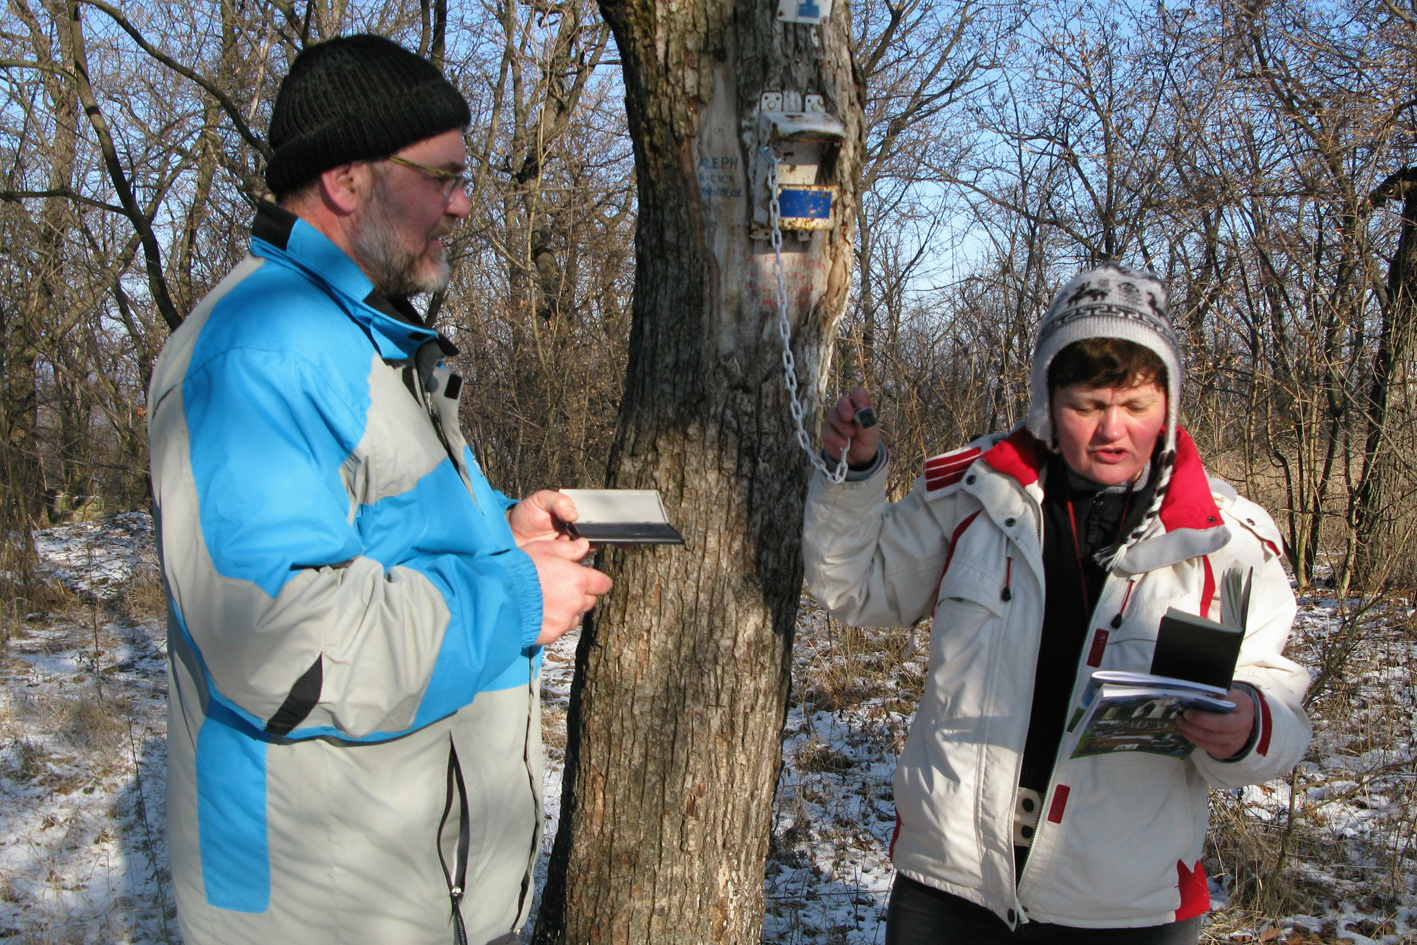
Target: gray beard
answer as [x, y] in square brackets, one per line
[394, 269]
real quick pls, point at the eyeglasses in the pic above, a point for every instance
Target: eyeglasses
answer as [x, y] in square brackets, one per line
[449, 179]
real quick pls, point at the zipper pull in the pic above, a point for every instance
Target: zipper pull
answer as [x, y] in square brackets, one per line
[1117, 620]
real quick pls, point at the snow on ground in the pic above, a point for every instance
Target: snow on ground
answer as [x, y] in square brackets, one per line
[1329, 852]
[828, 875]
[82, 721]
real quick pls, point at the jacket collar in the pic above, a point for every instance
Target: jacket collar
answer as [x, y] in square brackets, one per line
[1188, 524]
[1020, 455]
[392, 324]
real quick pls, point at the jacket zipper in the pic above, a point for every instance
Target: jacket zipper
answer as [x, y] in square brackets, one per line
[455, 873]
[1038, 529]
[421, 379]
[1057, 758]
[419, 386]
[532, 715]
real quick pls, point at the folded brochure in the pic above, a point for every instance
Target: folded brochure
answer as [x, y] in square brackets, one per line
[1139, 712]
[622, 517]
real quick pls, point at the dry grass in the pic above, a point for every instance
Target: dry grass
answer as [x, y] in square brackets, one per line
[1247, 851]
[1340, 829]
[26, 761]
[818, 758]
[92, 725]
[553, 732]
[142, 597]
[23, 604]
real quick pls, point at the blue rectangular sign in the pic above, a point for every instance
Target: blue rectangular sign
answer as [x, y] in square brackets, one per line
[804, 203]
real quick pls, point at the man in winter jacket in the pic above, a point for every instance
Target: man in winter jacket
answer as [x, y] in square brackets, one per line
[354, 748]
[1043, 555]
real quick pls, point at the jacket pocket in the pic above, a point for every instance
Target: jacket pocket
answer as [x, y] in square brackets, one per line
[963, 639]
[1131, 645]
[970, 590]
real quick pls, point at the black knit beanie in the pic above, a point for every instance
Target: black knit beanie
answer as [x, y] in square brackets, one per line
[353, 98]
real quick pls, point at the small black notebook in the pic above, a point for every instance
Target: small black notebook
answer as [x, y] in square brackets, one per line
[621, 517]
[1202, 650]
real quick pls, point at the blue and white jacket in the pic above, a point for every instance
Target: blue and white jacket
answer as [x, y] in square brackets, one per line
[352, 627]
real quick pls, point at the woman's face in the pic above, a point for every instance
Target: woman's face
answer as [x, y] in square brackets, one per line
[1107, 434]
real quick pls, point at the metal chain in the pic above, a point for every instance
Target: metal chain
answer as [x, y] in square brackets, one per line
[784, 329]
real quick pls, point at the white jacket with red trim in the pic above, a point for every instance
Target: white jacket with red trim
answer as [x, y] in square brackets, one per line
[1121, 837]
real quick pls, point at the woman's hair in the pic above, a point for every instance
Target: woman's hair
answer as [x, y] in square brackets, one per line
[1106, 362]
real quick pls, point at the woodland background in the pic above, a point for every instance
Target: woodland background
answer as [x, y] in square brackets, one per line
[1256, 155]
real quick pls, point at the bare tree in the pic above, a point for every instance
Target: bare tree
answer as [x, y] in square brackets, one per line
[41, 240]
[539, 300]
[918, 62]
[682, 676]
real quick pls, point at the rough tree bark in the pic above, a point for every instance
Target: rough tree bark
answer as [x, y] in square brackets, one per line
[682, 674]
[1395, 337]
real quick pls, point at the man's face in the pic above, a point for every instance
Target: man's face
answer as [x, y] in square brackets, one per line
[1107, 434]
[397, 233]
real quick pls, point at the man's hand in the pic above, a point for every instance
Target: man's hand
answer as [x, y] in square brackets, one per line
[839, 422]
[542, 516]
[568, 588]
[1221, 734]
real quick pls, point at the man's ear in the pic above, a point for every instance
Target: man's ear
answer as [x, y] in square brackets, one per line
[344, 187]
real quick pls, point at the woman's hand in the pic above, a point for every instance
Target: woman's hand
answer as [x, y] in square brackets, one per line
[839, 423]
[1221, 734]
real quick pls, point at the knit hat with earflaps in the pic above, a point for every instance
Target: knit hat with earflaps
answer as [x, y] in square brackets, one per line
[1110, 302]
[355, 98]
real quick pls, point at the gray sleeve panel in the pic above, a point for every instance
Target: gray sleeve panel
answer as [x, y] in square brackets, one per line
[377, 633]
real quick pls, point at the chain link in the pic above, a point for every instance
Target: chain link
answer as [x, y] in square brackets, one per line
[784, 329]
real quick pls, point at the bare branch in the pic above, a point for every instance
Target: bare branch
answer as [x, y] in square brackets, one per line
[232, 110]
[15, 196]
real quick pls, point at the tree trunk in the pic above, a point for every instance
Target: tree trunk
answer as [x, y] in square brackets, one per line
[682, 675]
[1373, 552]
[41, 304]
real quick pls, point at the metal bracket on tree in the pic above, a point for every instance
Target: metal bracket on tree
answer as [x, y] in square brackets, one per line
[800, 141]
[797, 157]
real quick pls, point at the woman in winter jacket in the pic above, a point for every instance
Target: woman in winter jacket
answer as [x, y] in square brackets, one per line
[1044, 555]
